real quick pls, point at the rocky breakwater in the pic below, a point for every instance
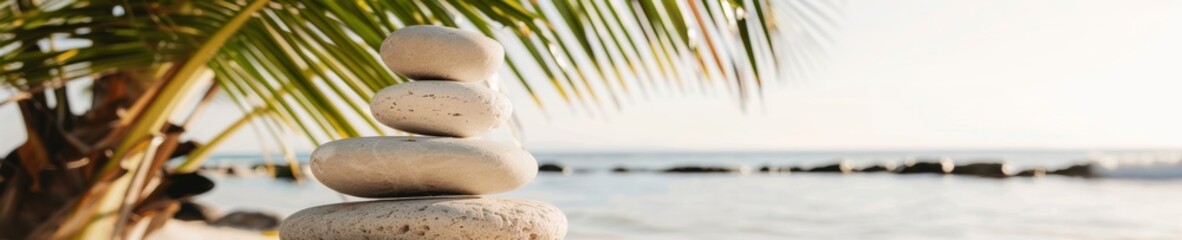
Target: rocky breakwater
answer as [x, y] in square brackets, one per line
[431, 185]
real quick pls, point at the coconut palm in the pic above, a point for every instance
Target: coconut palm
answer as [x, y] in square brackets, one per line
[102, 167]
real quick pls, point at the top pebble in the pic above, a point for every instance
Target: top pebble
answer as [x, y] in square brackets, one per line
[427, 52]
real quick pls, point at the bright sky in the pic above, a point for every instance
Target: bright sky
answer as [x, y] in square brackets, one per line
[939, 74]
[931, 74]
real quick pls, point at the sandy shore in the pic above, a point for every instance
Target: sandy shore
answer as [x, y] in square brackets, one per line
[183, 230]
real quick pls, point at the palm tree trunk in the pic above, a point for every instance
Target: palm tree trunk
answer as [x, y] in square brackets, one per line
[44, 179]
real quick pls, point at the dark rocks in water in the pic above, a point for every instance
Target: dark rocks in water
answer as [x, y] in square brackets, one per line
[700, 169]
[777, 169]
[623, 169]
[992, 170]
[233, 171]
[284, 172]
[841, 167]
[877, 168]
[190, 211]
[1082, 170]
[774, 169]
[1033, 172]
[186, 184]
[550, 167]
[796, 169]
[248, 220]
[826, 168]
[942, 166]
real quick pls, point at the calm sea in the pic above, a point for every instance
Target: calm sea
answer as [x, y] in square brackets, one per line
[604, 205]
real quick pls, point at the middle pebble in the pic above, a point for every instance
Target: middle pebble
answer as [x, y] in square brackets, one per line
[441, 108]
[423, 166]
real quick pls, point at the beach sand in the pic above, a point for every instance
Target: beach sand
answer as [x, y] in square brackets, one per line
[184, 230]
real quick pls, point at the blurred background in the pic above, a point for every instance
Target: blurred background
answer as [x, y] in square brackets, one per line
[840, 119]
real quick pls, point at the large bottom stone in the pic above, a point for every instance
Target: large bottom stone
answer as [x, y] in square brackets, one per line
[472, 218]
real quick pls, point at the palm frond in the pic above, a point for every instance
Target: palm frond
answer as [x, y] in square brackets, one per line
[314, 62]
[311, 66]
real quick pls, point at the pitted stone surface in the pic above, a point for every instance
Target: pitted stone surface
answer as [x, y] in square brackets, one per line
[428, 219]
[425, 52]
[376, 167]
[440, 108]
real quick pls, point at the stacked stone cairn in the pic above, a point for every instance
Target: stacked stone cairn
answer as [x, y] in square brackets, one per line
[433, 183]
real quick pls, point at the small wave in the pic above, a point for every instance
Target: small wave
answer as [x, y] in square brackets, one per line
[617, 221]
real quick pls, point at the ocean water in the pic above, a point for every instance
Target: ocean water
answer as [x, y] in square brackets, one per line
[647, 205]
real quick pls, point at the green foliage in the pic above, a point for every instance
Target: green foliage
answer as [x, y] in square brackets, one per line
[310, 66]
[314, 62]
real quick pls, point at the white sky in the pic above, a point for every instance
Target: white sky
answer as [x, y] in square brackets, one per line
[930, 74]
[939, 74]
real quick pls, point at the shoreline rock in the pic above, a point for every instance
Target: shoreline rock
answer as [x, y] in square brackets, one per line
[772, 169]
[1033, 172]
[554, 168]
[550, 167]
[701, 169]
[941, 166]
[876, 168]
[248, 220]
[1080, 170]
[840, 167]
[990, 170]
